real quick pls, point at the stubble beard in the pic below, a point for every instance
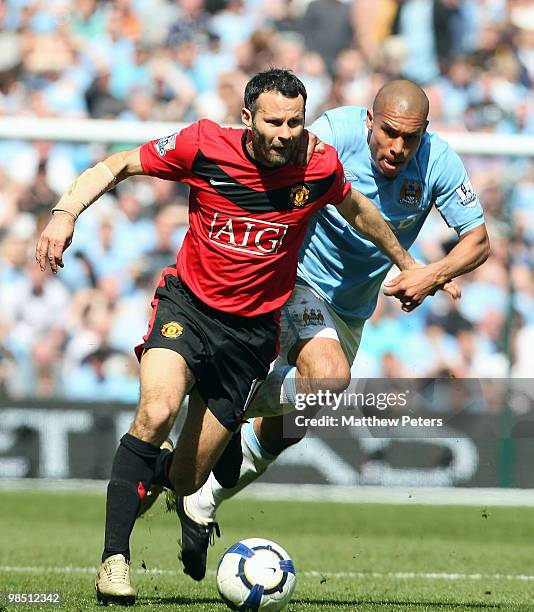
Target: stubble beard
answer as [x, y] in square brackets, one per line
[263, 153]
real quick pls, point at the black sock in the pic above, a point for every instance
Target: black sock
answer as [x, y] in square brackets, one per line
[227, 469]
[131, 477]
[163, 466]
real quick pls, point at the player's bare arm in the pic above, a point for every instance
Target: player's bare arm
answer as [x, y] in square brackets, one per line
[86, 189]
[364, 216]
[411, 287]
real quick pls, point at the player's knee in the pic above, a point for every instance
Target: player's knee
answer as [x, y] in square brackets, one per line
[155, 413]
[326, 372]
[339, 379]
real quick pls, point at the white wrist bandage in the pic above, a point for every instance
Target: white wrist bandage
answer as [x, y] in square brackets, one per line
[87, 188]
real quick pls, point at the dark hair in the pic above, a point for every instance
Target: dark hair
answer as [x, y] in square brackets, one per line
[274, 79]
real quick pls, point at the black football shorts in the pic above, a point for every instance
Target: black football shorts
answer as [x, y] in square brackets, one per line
[227, 353]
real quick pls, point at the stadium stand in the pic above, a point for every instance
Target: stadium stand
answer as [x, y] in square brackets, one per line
[71, 335]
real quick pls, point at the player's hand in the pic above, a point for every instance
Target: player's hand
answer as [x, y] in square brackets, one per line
[452, 289]
[309, 144]
[449, 287]
[412, 286]
[54, 241]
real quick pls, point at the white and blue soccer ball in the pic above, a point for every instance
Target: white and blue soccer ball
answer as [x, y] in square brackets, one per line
[256, 574]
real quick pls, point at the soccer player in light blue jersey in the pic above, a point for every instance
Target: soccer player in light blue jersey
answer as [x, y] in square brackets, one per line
[390, 157]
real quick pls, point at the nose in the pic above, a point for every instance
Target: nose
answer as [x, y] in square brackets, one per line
[284, 133]
[397, 147]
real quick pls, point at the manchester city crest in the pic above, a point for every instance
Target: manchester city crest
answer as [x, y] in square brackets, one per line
[411, 192]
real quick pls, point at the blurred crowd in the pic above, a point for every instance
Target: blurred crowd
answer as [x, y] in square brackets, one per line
[72, 335]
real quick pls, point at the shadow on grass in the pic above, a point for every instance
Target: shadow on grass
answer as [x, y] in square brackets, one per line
[191, 602]
[179, 601]
[409, 604]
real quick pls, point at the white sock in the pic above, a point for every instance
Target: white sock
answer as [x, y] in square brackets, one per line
[204, 503]
[276, 395]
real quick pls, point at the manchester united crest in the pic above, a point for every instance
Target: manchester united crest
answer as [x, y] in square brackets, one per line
[172, 330]
[299, 195]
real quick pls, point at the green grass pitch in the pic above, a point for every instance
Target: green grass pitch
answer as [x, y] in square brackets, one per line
[366, 558]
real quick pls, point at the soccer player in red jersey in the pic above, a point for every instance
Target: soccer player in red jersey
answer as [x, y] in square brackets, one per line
[214, 326]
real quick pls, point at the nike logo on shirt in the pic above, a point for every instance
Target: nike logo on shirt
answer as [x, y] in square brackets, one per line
[217, 183]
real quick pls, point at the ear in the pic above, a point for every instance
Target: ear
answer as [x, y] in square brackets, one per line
[369, 119]
[246, 117]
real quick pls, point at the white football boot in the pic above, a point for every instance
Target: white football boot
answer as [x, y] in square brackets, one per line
[112, 582]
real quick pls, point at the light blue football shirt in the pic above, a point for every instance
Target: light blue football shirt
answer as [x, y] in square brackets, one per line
[342, 266]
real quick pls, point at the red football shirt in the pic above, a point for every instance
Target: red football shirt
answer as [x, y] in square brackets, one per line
[247, 221]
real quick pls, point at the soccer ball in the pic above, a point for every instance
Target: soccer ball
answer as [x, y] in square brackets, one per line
[256, 574]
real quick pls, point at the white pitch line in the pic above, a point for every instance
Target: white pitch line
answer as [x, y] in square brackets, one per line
[363, 494]
[310, 574]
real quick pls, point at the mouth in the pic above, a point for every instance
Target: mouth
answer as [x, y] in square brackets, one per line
[392, 165]
[281, 151]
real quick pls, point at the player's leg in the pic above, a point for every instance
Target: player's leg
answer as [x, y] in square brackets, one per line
[165, 379]
[202, 440]
[156, 489]
[170, 357]
[241, 351]
[201, 449]
[320, 353]
[320, 363]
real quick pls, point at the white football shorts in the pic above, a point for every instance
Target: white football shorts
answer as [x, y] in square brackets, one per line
[307, 315]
